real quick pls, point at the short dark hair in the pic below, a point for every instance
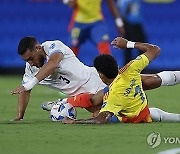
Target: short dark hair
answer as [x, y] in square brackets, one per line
[27, 42]
[107, 65]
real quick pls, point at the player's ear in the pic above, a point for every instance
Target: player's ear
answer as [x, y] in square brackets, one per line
[38, 47]
[101, 75]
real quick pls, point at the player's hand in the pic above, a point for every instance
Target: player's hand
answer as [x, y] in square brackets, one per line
[18, 90]
[119, 43]
[71, 3]
[67, 120]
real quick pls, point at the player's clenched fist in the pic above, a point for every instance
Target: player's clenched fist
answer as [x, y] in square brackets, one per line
[119, 42]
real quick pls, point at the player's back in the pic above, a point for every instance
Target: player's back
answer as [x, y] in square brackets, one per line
[128, 88]
[126, 94]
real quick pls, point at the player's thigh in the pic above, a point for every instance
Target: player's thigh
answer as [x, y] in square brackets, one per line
[99, 32]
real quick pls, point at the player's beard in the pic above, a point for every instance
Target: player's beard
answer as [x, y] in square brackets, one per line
[41, 61]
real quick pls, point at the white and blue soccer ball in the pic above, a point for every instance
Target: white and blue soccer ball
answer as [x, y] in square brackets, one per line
[61, 110]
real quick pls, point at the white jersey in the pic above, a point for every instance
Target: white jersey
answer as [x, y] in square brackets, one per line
[72, 77]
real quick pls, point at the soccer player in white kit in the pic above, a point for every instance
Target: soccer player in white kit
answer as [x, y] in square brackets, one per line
[70, 76]
[53, 64]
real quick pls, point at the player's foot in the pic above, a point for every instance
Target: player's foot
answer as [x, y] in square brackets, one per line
[48, 105]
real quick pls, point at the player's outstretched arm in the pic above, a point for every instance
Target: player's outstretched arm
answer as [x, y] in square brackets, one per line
[23, 99]
[45, 71]
[102, 118]
[151, 51]
[50, 66]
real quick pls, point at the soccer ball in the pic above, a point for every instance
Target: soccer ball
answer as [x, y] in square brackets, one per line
[61, 110]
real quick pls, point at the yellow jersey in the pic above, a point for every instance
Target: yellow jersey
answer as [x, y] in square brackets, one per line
[87, 11]
[125, 96]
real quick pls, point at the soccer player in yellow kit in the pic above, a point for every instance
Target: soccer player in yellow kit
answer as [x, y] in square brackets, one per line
[88, 23]
[124, 98]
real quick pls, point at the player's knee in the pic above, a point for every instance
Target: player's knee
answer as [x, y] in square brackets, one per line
[96, 100]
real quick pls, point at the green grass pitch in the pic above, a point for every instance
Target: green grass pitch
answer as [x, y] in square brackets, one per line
[36, 134]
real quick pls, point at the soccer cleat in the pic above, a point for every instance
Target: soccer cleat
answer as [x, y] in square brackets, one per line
[48, 105]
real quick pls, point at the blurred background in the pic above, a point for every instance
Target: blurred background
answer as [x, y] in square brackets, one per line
[49, 20]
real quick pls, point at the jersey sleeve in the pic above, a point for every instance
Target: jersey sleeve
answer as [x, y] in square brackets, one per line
[111, 105]
[140, 63]
[54, 46]
[28, 75]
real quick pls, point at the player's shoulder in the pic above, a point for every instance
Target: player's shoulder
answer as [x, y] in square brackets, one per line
[139, 63]
[53, 46]
[141, 57]
[134, 64]
[52, 43]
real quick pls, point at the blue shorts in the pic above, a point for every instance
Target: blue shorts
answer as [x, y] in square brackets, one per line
[95, 32]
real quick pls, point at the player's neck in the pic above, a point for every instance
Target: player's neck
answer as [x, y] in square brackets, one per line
[43, 53]
[109, 81]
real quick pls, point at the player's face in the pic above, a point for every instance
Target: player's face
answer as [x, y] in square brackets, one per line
[102, 77]
[35, 57]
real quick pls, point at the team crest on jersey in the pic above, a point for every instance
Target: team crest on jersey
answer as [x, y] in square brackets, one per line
[52, 46]
[138, 57]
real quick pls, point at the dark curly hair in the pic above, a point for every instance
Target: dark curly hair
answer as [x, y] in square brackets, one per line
[26, 43]
[107, 65]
